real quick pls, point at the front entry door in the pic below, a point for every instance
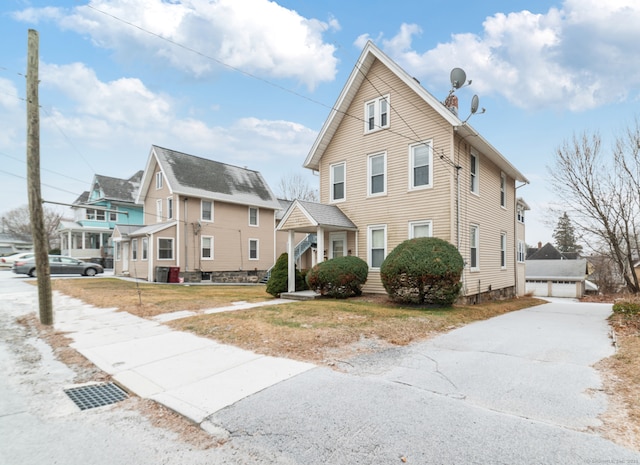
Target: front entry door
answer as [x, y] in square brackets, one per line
[337, 244]
[125, 257]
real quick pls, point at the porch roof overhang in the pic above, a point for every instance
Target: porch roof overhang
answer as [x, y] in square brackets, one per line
[302, 216]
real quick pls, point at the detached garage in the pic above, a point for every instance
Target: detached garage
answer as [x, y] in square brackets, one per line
[556, 278]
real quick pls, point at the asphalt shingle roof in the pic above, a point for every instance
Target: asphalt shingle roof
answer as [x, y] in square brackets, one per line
[556, 269]
[327, 215]
[124, 190]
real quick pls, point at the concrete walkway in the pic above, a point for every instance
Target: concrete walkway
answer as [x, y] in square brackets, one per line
[191, 375]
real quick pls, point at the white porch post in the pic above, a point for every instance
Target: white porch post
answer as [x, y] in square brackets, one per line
[83, 240]
[320, 244]
[69, 243]
[292, 264]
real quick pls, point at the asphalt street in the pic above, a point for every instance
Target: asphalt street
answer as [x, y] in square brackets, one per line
[516, 389]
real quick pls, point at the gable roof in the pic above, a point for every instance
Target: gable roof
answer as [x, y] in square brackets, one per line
[569, 270]
[369, 55]
[317, 214]
[549, 252]
[132, 230]
[123, 190]
[194, 176]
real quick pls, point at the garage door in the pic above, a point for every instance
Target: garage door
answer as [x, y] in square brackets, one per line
[538, 288]
[563, 289]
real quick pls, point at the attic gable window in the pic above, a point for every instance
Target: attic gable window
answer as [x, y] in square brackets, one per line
[376, 114]
[159, 180]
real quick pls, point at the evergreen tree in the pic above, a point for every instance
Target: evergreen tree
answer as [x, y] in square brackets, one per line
[565, 237]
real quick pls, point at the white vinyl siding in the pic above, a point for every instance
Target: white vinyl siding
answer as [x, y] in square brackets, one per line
[338, 182]
[420, 165]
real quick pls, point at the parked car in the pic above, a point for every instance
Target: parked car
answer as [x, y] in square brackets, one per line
[9, 259]
[58, 264]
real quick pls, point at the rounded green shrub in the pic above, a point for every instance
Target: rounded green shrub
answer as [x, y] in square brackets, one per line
[340, 277]
[423, 271]
[626, 307]
[279, 280]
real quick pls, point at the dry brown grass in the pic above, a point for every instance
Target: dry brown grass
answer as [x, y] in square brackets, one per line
[147, 300]
[326, 329]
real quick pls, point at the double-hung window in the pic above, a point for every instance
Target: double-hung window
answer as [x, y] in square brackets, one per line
[159, 210]
[503, 190]
[206, 210]
[377, 174]
[113, 216]
[474, 169]
[376, 114]
[134, 249]
[159, 180]
[338, 184]
[474, 239]
[420, 162]
[145, 248]
[521, 252]
[520, 214]
[377, 241]
[503, 251]
[253, 216]
[253, 249]
[165, 248]
[206, 247]
[419, 229]
[169, 208]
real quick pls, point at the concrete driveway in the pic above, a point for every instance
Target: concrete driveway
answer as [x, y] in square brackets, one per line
[516, 389]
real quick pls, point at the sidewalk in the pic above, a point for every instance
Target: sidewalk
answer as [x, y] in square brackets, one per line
[191, 375]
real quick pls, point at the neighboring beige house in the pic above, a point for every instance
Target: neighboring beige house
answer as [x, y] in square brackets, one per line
[213, 221]
[395, 163]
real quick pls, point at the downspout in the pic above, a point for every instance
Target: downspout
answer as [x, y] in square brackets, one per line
[186, 257]
[515, 233]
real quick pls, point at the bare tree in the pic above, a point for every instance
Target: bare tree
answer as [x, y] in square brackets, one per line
[294, 186]
[17, 222]
[603, 194]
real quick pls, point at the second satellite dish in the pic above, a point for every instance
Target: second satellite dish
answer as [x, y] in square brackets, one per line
[475, 102]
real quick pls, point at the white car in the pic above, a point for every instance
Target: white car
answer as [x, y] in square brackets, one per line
[10, 259]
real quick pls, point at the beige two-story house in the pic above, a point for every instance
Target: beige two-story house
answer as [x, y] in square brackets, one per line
[212, 221]
[395, 163]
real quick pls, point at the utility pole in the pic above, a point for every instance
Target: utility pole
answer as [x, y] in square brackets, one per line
[40, 244]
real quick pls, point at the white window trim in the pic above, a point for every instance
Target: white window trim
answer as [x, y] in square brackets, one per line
[257, 249]
[202, 210]
[413, 224]
[173, 245]
[521, 252]
[369, 174]
[376, 114]
[134, 250]
[429, 184]
[113, 215]
[477, 241]
[477, 173]
[159, 180]
[159, 211]
[202, 238]
[503, 190]
[257, 217]
[370, 229]
[144, 253]
[169, 208]
[344, 182]
[503, 251]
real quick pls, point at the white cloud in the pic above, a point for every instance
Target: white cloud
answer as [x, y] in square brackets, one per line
[578, 57]
[255, 36]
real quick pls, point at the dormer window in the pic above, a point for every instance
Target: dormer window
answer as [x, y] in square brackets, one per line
[376, 114]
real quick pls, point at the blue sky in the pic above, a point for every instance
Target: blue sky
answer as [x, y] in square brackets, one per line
[250, 82]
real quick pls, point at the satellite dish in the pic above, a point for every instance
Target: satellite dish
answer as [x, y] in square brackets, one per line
[475, 102]
[458, 78]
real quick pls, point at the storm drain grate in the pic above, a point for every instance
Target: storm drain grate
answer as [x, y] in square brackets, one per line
[96, 395]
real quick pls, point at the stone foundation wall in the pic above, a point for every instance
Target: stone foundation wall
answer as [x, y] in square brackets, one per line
[497, 294]
[230, 277]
